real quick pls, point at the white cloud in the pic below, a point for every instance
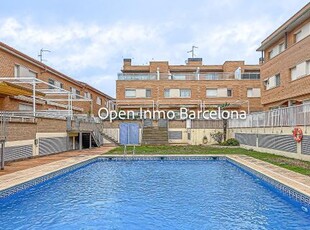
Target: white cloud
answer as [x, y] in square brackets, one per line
[93, 53]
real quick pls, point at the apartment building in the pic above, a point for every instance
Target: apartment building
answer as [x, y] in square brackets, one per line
[285, 72]
[196, 86]
[51, 89]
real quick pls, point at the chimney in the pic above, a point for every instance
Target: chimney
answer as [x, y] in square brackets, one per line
[127, 62]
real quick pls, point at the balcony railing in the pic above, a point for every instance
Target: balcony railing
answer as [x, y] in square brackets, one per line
[137, 76]
[283, 117]
[189, 76]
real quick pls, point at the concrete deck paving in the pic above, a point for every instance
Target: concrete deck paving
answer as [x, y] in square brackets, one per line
[23, 171]
[15, 166]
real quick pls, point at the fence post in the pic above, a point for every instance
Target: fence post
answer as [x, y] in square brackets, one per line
[2, 155]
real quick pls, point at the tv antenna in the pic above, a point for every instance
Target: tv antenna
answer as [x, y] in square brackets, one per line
[193, 51]
[41, 54]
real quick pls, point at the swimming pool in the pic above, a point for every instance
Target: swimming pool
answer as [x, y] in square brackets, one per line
[157, 194]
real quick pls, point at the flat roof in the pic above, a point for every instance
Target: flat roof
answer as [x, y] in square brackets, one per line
[288, 26]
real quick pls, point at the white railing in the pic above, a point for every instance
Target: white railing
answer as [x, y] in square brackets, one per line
[137, 76]
[112, 132]
[26, 115]
[283, 117]
[189, 76]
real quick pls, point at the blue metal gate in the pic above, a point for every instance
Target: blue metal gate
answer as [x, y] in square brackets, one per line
[129, 133]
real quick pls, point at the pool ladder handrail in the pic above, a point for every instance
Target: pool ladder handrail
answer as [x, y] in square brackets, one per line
[133, 151]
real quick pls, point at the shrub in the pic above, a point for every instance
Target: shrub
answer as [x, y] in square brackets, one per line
[231, 142]
[217, 136]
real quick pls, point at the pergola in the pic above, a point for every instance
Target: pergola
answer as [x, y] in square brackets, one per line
[37, 90]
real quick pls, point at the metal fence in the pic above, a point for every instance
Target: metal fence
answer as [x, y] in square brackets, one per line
[189, 76]
[29, 115]
[282, 117]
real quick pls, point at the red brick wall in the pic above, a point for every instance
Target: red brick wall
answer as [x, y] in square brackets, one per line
[298, 89]
[198, 91]
[7, 63]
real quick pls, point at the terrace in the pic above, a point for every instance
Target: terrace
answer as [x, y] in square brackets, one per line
[211, 76]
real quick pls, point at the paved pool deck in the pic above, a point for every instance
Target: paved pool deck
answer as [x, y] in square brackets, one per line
[23, 171]
[20, 165]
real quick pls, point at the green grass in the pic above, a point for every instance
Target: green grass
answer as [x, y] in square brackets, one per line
[299, 166]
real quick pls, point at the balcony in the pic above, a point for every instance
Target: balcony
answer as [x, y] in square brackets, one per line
[212, 76]
[137, 76]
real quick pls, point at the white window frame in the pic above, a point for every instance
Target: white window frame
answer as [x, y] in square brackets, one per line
[150, 93]
[55, 83]
[308, 67]
[231, 94]
[18, 72]
[293, 73]
[187, 96]
[300, 70]
[73, 91]
[214, 89]
[130, 90]
[250, 92]
[166, 93]
[26, 107]
[99, 101]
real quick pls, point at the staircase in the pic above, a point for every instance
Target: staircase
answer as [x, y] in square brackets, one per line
[109, 138]
[155, 136]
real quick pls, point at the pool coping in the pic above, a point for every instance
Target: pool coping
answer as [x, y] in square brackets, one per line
[293, 184]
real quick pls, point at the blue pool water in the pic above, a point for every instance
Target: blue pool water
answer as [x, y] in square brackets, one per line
[153, 195]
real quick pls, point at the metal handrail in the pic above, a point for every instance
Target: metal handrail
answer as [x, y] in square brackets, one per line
[189, 76]
[298, 115]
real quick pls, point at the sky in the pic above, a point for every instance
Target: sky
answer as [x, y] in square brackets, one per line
[89, 39]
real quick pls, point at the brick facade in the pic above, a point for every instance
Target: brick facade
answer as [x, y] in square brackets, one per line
[289, 91]
[10, 57]
[198, 87]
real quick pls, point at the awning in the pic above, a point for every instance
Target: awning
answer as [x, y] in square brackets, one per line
[10, 89]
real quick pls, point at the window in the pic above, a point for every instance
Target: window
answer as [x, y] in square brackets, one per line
[148, 93]
[300, 70]
[130, 93]
[55, 83]
[298, 36]
[276, 50]
[281, 47]
[21, 71]
[211, 92]
[229, 92]
[25, 107]
[16, 71]
[277, 80]
[221, 92]
[293, 73]
[302, 33]
[271, 54]
[167, 93]
[253, 92]
[99, 101]
[138, 93]
[87, 95]
[185, 93]
[51, 82]
[272, 82]
[177, 93]
[74, 92]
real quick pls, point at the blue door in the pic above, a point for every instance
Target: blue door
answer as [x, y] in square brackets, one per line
[129, 133]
